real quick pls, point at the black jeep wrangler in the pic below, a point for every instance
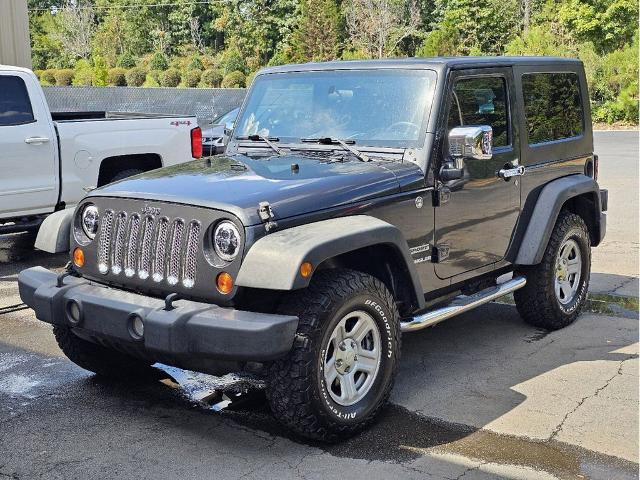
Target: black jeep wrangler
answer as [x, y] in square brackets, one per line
[357, 201]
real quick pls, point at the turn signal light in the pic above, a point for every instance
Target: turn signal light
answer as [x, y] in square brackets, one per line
[78, 257]
[224, 282]
[305, 269]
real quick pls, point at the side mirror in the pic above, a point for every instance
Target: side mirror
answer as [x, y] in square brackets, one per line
[474, 143]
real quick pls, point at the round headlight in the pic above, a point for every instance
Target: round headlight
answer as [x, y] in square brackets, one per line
[226, 241]
[90, 221]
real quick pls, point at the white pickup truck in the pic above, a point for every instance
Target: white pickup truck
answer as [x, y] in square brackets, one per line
[48, 161]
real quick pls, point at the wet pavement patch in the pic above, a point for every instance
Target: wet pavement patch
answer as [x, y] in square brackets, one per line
[402, 436]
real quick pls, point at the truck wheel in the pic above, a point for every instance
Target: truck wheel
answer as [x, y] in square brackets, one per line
[556, 289]
[340, 371]
[130, 172]
[98, 359]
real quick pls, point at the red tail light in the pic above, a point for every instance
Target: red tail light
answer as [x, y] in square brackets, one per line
[196, 142]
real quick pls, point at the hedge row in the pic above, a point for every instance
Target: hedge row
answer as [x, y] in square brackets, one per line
[138, 77]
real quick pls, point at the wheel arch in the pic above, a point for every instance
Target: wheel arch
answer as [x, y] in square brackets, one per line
[110, 166]
[358, 242]
[579, 194]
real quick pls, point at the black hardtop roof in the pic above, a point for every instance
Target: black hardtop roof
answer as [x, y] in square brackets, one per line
[435, 63]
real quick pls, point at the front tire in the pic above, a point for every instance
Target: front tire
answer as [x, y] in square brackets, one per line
[341, 369]
[556, 289]
[98, 359]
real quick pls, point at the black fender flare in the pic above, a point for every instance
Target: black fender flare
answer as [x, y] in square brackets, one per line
[545, 214]
[273, 262]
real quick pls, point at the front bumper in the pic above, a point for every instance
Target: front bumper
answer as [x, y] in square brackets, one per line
[189, 331]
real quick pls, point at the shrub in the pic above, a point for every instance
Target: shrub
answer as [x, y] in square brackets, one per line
[212, 78]
[48, 77]
[195, 63]
[192, 78]
[63, 77]
[234, 80]
[152, 79]
[136, 77]
[158, 62]
[100, 72]
[117, 77]
[170, 78]
[38, 73]
[126, 60]
[250, 77]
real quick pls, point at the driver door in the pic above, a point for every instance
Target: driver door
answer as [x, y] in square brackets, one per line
[476, 224]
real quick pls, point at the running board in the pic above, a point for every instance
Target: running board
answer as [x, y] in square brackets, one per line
[462, 304]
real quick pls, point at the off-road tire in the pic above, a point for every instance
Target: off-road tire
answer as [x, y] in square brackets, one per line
[537, 302]
[98, 359]
[296, 389]
[121, 175]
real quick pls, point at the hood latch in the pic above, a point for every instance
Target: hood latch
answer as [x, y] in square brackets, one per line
[267, 216]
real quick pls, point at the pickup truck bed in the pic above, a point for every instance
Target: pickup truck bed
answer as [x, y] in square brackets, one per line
[51, 159]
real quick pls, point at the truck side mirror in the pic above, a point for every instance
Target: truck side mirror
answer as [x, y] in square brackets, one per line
[473, 143]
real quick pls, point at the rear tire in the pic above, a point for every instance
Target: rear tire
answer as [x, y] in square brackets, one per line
[340, 371]
[98, 359]
[556, 289]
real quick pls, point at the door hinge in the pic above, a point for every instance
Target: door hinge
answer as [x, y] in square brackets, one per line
[441, 196]
[440, 253]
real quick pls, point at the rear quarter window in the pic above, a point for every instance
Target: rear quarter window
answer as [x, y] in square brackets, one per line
[553, 106]
[15, 107]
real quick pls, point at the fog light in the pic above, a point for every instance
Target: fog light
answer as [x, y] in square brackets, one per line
[136, 327]
[305, 269]
[78, 257]
[74, 312]
[224, 282]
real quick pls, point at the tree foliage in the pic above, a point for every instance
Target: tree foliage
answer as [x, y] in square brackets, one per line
[229, 38]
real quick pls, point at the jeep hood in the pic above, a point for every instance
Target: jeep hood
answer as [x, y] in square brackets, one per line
[292, 184]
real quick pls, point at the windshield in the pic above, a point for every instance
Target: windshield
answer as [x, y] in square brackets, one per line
[372, 107]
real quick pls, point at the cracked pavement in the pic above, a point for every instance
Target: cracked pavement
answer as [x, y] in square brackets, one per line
[480, 396]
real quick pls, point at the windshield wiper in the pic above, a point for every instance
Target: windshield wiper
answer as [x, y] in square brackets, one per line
[268, 140]
[343, 143]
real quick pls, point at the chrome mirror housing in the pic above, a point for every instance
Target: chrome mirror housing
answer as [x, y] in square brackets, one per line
[473, 142]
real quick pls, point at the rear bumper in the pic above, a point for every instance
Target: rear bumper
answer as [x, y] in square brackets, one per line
[190, 331]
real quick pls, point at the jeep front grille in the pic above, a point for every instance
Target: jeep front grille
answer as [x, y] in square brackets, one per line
[149, 246]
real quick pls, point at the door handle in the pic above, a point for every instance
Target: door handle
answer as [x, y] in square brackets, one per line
[507, 173]
[36, 140]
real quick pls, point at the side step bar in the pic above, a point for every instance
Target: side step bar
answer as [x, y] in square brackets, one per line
[462, 304]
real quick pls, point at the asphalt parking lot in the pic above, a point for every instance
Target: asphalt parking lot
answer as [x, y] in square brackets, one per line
[482, 395]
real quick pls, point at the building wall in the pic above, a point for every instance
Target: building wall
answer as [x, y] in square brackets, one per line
[15, 45]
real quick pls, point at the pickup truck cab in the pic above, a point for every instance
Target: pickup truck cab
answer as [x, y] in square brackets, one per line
[357, 202]
[49, 160]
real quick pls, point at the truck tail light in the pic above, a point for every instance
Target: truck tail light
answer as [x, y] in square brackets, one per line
[196, 142]
[596, 167]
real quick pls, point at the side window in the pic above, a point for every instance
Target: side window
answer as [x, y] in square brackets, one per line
[481, 101]
[15, 107]
[552, 106]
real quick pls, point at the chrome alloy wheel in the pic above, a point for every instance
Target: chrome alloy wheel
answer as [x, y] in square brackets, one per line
[352, 358]
[568, 271]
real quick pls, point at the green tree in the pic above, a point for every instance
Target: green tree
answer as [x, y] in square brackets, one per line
[158, 62]
[317, 37]
[100, 72]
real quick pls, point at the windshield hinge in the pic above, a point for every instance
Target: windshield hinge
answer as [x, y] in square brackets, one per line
[266, 215]
[441, 196]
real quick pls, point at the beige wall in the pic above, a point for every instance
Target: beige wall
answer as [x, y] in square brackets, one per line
[15, 47]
